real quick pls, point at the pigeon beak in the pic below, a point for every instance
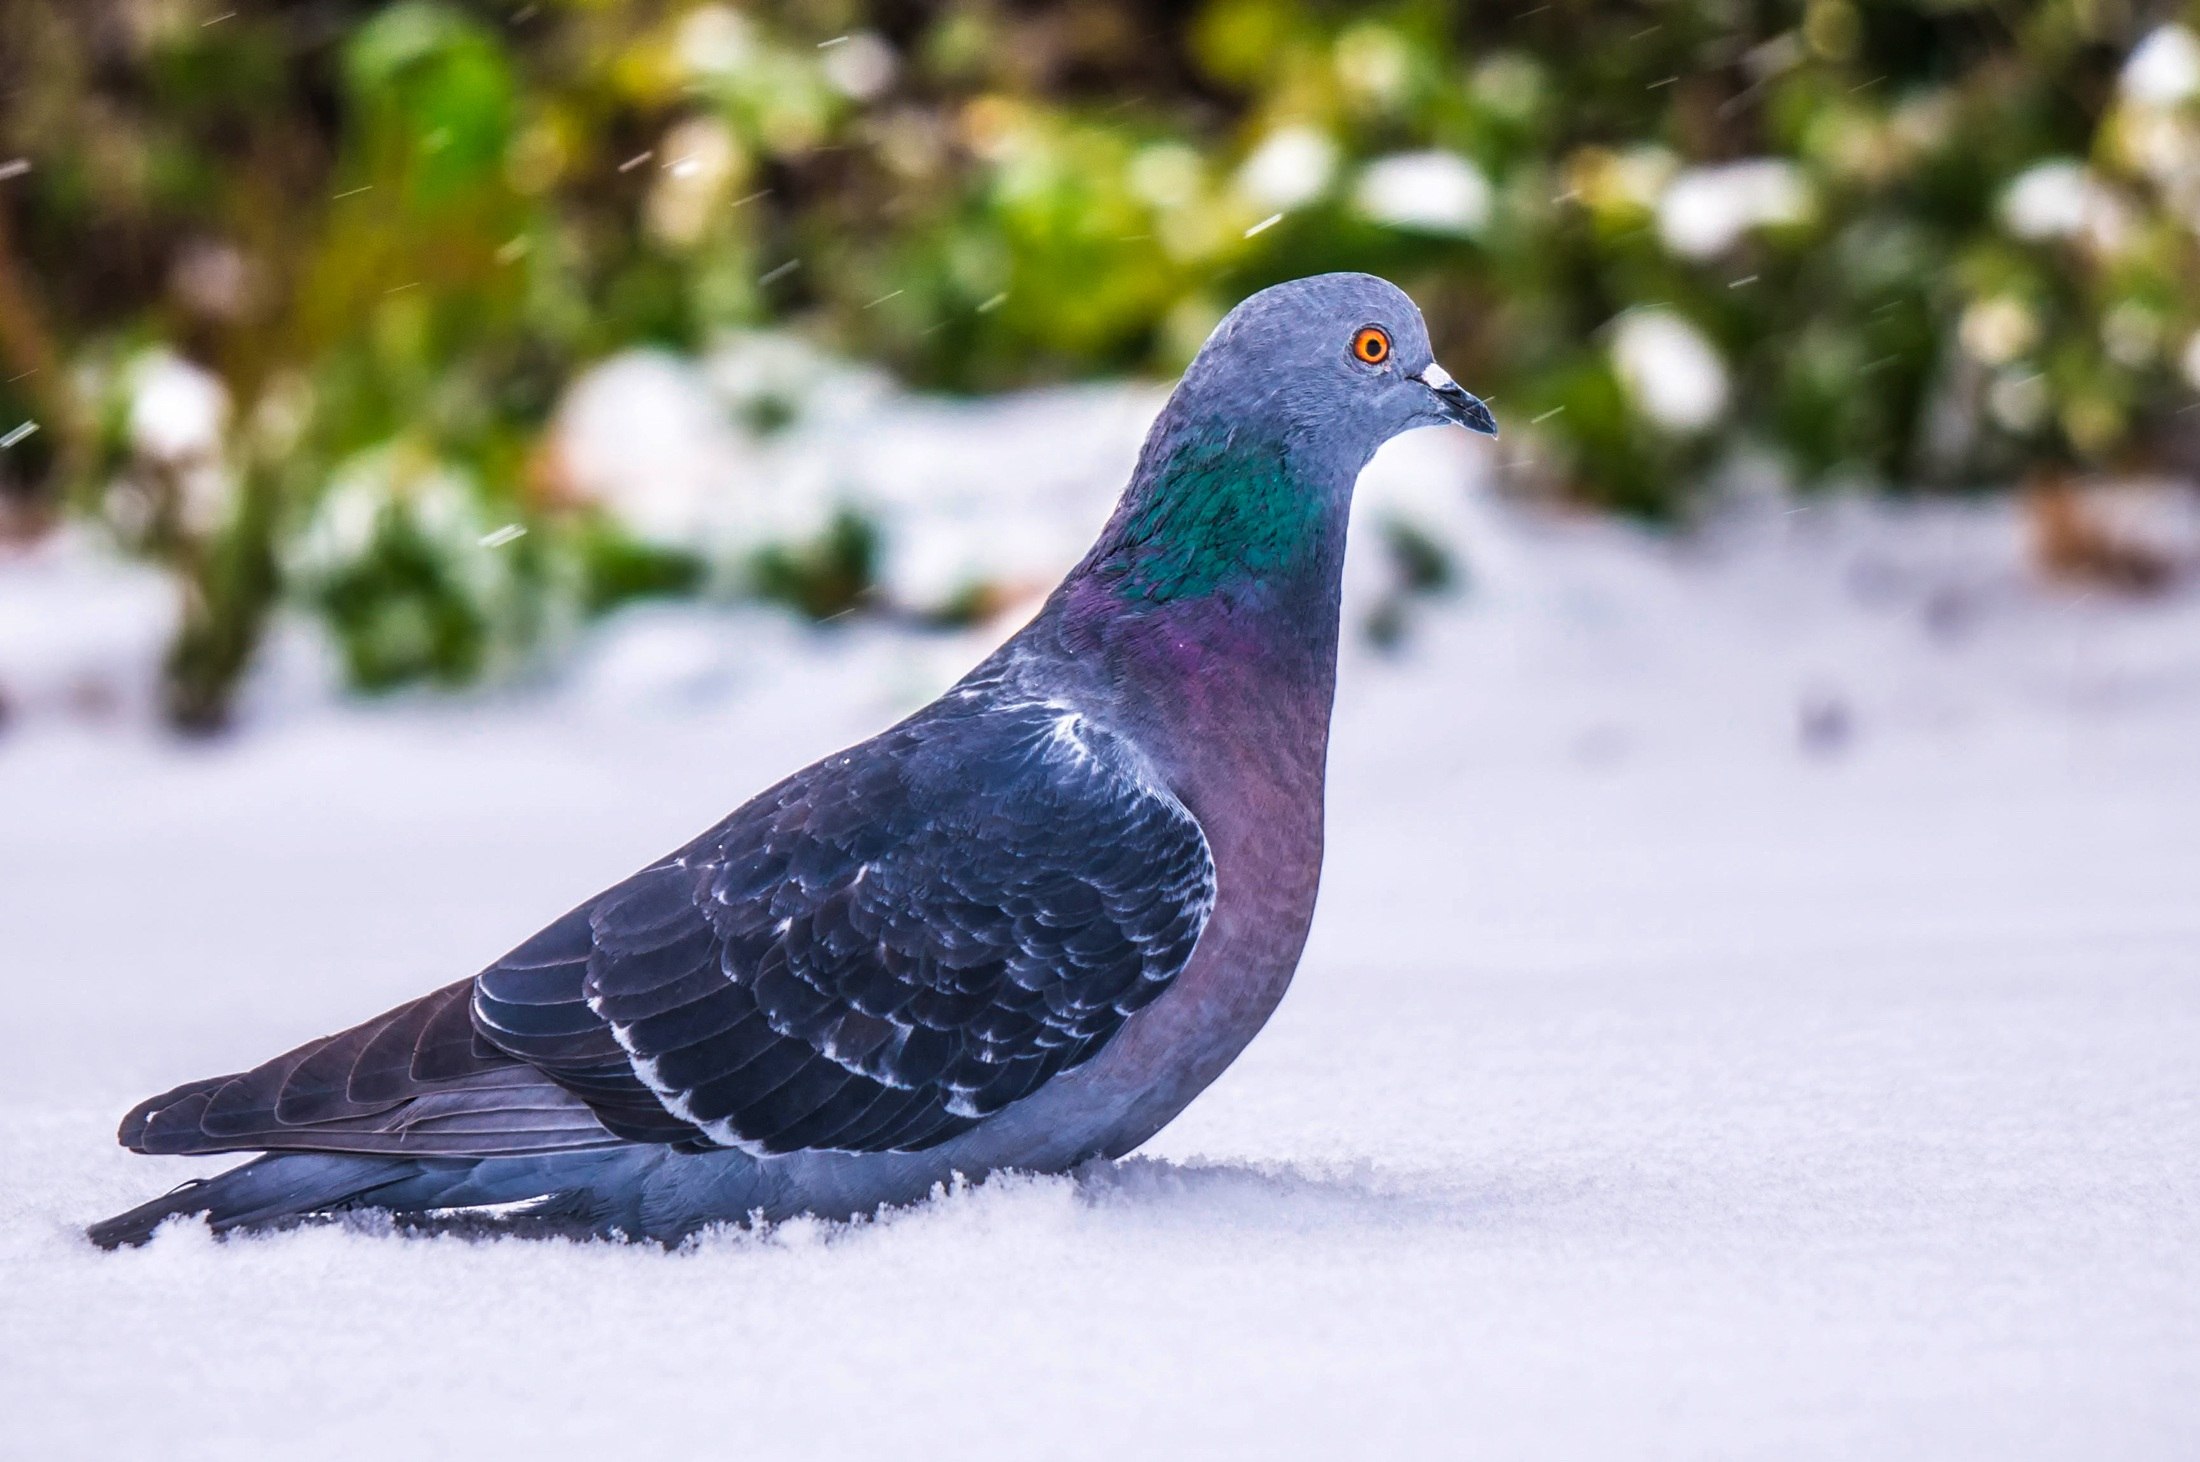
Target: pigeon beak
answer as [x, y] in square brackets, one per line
[1457, 404]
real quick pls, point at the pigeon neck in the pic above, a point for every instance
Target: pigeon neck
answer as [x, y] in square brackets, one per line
[1208, 609]
[1214, 512]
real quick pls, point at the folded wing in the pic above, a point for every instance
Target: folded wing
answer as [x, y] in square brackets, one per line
[876, 954]
[416, 1081]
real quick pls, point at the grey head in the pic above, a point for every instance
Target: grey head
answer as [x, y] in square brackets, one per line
[1246, 479]
[1334, 364]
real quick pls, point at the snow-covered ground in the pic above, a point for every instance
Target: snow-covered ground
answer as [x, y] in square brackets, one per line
[1754, 1011]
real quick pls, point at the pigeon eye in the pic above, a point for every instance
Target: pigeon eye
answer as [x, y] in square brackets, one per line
[1371, 346]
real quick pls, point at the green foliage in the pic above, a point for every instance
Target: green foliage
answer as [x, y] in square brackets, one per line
[1904, 244]
[1420, 568]
[233, 589]
[824, 578]
[400, 617]
[620, 570]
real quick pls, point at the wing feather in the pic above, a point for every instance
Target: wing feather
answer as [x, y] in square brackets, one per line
[878, 953]
[873, 956]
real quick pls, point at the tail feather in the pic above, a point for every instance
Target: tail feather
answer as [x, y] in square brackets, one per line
[283, 1185]
[407, 1112]
[585, 1191]
[352, 1079]
[408, 1083]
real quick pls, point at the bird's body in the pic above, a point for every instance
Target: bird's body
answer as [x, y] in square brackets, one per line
[1021, 929]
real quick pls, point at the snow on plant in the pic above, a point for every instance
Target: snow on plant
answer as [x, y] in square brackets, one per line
[2062, 199]
[178, 418]
[1706, 211]
[1673, 374]
[860, 66]
[1291, 167]
[642, 436]
[2164, 69]
[715, 40]
[1432, 192]
[411, 577]
[1996, 331]
[178, 409]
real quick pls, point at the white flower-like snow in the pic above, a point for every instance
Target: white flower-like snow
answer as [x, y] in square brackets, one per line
[716, 40]
[2164, 69]
[1673, 374]
[2061, 199]
[1431, 192]
[862, 66]
[1292, 166]
[643, 435]
[1705, 211]
[178, 409]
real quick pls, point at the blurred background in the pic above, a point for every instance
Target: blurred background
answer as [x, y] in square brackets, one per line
[435, 329]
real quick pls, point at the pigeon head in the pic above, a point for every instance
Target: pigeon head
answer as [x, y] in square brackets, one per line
[1331, 366]
[1246, 478]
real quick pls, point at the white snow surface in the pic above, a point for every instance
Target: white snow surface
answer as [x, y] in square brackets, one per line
[1752, 1012]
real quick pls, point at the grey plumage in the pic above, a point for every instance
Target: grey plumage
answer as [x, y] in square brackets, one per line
[1022, 928]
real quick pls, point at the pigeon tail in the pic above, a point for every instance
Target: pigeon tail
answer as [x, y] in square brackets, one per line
[284, 1185]
[570, 1192]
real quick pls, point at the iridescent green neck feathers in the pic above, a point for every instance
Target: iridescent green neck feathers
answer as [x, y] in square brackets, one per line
[1209, 517]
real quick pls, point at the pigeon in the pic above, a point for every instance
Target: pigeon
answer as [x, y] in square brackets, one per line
[1020, 930]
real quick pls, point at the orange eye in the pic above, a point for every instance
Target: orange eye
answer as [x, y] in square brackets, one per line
[1371, 346]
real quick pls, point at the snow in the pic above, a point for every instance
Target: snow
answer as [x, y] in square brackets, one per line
[1706, 211]
[643, 434]
[703, 160]
[176, 412]
[2164, 69]
[715, 41]
[82, 635]
[861, 66]
[1430, 192]
[1752, 1012]
[2063, 199]
[1291, 167]
[178, 409]
[1673, 374]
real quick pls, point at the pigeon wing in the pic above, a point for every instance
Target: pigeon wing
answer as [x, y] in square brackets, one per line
[414, 1081]
[879, 952]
